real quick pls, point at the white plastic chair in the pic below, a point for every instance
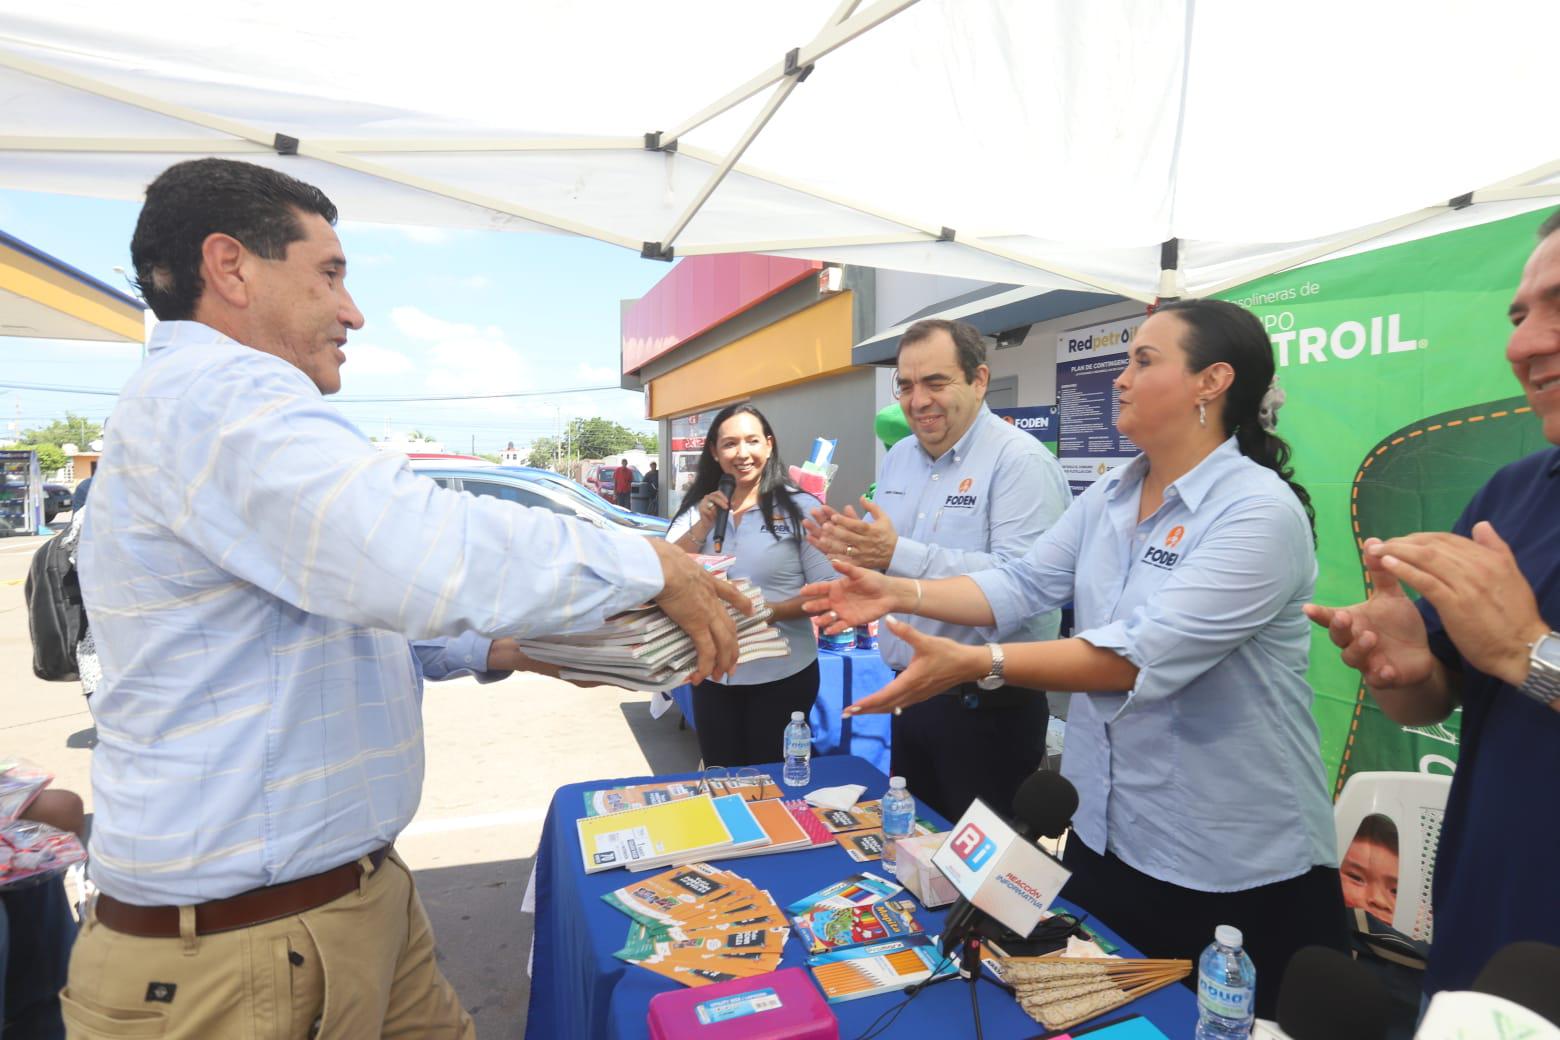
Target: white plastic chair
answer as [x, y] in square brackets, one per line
[1416, 802]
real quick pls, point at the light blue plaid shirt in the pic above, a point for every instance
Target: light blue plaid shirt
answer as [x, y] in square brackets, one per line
[253, 568]
[984, 502]
[1208, 773]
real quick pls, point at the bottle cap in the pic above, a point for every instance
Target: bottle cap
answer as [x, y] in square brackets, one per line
[897, 783]
[1227, 935]
[796, 716]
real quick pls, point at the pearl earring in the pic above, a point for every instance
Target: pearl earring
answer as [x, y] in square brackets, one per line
[1202, 414]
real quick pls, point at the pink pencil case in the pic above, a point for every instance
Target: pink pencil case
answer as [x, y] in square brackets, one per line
[782, 1005]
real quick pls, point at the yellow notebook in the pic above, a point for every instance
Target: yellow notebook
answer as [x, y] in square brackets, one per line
[671, 832]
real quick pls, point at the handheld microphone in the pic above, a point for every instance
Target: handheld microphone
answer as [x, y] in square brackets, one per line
[727, 487]
[1043, 807]
[1328, 995]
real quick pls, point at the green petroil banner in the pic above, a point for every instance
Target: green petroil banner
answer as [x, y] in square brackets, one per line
[1400, 405]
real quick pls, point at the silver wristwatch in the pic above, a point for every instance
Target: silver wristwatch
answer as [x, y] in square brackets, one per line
[994, 680]
[1543, 681]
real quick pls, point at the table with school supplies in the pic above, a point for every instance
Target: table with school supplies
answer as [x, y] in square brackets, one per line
[581, 988]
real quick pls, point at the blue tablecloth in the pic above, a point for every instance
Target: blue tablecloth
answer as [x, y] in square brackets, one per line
[579, 990]
[844, 677]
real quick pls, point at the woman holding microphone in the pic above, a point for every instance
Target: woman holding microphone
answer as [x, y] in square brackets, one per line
[1201, 794]
[741, 721]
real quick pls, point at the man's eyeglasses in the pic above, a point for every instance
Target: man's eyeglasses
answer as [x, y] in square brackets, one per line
[932, 384]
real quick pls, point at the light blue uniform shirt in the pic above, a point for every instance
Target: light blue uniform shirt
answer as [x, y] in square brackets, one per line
[983, 503]
[253, 568]
[1207, 773]
[778, 566]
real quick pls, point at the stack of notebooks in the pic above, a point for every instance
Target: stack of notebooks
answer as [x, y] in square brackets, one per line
[754, 788]
[695, 826]
[643, 649]
[862, 941]
[699, 924]
[653, 835]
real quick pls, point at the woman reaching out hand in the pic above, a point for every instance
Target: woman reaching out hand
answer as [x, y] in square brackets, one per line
[1195, 755]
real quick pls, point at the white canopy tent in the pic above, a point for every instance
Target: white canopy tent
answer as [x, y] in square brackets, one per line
[1143, 147]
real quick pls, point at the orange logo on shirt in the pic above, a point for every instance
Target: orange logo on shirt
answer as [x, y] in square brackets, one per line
[1174, 537]
[964, 485]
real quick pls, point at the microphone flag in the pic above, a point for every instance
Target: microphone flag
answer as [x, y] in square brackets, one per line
[998, 870]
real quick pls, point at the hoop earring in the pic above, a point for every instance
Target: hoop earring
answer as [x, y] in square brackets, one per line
[1202, 414]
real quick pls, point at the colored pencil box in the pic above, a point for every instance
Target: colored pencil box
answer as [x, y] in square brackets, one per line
[782, 1005]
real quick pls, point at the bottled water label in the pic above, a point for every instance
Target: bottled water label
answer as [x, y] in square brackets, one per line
[1223, 1000]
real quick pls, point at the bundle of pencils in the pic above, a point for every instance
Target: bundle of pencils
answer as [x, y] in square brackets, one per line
[1059, 992]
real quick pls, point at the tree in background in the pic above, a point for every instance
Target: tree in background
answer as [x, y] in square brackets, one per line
[594, 438]
[73, 429]
[650, 443]
[597, 438]
[51, 459]
[544, 453]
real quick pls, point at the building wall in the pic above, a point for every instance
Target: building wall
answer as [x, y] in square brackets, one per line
[810, 344]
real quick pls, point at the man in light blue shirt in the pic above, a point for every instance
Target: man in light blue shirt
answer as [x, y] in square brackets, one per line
[254, 568]
[967, 492]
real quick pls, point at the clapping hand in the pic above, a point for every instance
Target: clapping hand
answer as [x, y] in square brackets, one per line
[1483, 598]
[1384, 637]
[847, 536]
[939, 664]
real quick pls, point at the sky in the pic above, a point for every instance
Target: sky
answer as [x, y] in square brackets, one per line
[446, 312]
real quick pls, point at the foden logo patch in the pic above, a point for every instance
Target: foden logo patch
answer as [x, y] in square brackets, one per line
[1173, 539]
[966, 484]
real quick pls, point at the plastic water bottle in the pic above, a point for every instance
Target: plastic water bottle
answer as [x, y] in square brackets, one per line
[1226, 988]
[898, 821]
[798, 752]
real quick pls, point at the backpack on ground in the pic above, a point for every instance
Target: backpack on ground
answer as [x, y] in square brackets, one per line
[56, 616]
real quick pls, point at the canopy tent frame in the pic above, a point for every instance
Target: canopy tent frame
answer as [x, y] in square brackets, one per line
[846, 23]
[342, 152]
[1527, 185]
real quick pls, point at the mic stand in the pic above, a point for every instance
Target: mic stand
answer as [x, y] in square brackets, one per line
[970, 970]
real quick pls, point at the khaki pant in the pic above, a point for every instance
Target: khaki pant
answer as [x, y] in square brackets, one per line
[356, 968]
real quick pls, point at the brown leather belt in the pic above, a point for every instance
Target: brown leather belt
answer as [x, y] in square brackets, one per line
[241, 911]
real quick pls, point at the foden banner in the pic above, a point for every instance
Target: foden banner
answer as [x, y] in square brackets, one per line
[1400, 405]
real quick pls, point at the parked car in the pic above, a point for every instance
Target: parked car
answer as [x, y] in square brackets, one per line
[56, 499]
[571, 487]
[538, 488]
[599, 478]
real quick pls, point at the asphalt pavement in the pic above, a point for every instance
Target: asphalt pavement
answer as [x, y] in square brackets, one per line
[496, 753]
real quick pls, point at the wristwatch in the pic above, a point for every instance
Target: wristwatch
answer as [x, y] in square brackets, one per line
[994, 680]
[1543, 681]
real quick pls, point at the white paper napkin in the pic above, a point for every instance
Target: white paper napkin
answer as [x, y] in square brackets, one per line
[842, 797]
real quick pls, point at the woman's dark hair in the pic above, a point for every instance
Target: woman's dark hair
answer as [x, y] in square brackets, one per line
[1219, 331]
[774, 486]
[192, 200]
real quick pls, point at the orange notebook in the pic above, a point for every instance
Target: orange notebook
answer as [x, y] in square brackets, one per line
[785, 834]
